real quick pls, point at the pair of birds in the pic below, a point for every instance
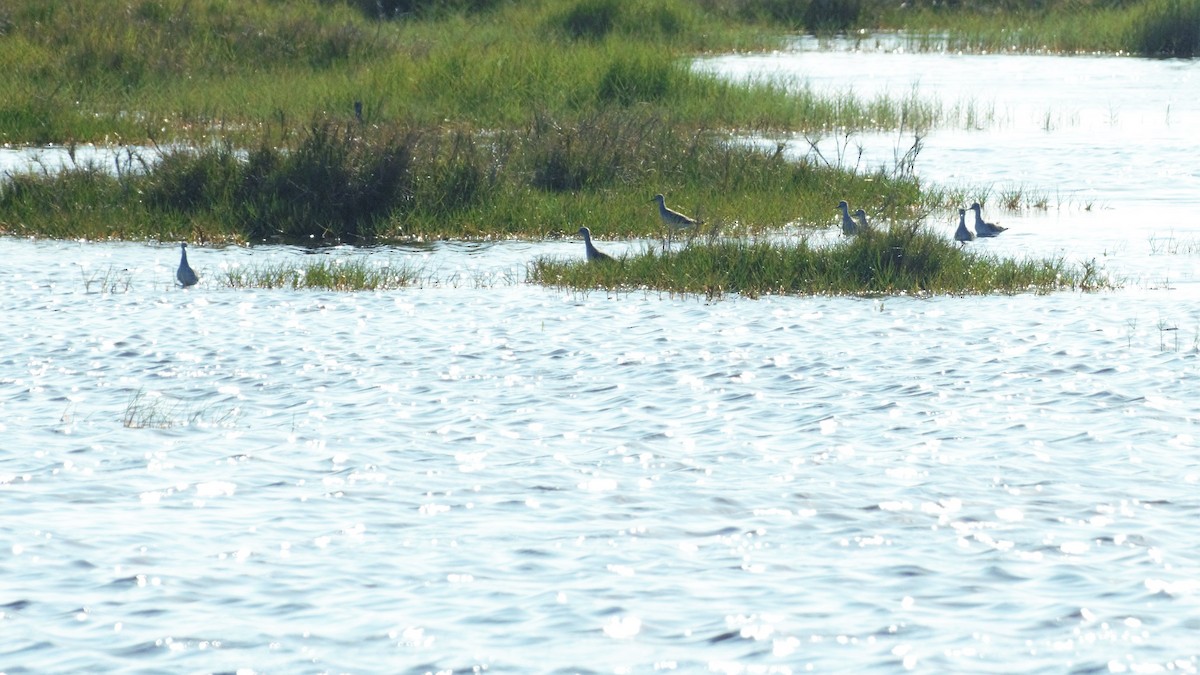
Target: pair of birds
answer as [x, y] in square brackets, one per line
[982, 227]
[673, 219]
[849, 226]
[963, 235]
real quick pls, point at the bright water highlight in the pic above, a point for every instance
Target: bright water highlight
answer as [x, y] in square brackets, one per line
[479, 473]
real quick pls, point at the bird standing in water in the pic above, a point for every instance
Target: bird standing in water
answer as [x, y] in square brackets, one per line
[593, 254]
[674, 220]
[962, 234]
[862, 220]
[186, 275]
[985, 229]
[849, 227]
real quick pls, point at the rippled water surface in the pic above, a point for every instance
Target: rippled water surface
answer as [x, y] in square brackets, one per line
[477, 473]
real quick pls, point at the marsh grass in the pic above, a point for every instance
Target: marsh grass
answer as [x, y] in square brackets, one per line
[168, 69]
[334, 184]
[152, 410]
[595, 20]
[1171, 337]
[164, 70]
[400, 9]
[480, 118]
[1019, 197]
[1149, 27]
[905, 259]
[1146, 27]
[110, 280]
[348, 274]
[816, 16]
[1014, 198]
[1166, 28]
[1169, 245]
[343, 182]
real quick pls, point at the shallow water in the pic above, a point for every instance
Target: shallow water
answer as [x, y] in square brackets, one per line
[1080, 131]
[478, 473]
[533, 480]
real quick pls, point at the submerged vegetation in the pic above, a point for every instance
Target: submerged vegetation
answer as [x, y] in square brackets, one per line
[903, 259]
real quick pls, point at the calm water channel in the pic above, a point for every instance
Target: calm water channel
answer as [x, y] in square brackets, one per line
[480, 474]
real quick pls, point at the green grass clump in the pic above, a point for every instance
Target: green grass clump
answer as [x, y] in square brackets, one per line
[596, 20]
[900, 260]
[407, 9]
[334, 184]
[1167, 28]
[334, 275]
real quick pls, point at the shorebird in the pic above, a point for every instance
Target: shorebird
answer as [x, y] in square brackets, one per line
[982, 228]
[674, 220]
[862, 220]
[962, 234]
[593, 254]
[186, 275]
[849, 227]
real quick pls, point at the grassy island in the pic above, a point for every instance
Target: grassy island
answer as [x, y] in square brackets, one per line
[904, 259]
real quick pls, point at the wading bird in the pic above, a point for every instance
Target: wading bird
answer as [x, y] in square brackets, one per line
[982, 228]
[962, 234]
[862, 220]
[849, 227]
[593, 254]
[185, 274]
[674, 220]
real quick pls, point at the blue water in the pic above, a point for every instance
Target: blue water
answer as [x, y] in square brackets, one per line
[478, 474]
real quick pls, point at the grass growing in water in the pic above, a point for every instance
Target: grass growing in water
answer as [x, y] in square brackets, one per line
[1144, 27]
[153, 411]
[345, 182]
[110, 280]
[901, 260]
[336, 275]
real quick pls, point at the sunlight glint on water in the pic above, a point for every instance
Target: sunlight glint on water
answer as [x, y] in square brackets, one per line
[479, 473]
